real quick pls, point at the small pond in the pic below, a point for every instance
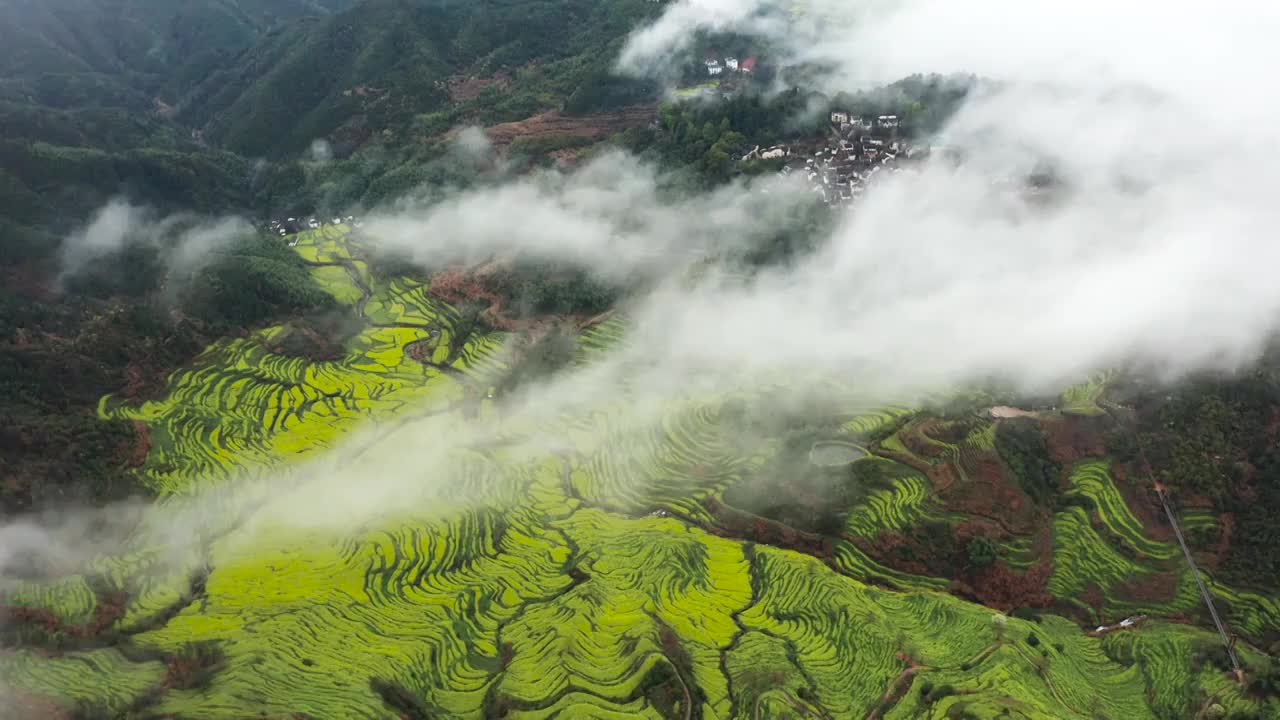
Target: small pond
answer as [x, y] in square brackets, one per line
[833, 453]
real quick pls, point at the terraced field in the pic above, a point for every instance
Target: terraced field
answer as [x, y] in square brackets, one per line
[374, 536]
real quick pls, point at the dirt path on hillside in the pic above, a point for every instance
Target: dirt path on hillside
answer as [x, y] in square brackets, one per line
[1005, 411]
[598, 126]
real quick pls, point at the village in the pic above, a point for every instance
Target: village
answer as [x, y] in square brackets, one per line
[294, 225]
[717, 66]
[839, 169]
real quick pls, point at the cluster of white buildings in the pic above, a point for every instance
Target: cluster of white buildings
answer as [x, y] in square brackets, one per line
[849, 123]
[289, 226]
[862, 150]
[717, 66]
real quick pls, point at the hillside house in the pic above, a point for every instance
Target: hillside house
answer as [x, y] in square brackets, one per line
[748, 65]
[731, 63]
[839, 117]
[714, 68]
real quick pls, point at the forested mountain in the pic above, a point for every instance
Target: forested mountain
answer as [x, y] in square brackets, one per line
[58, 48]
[257, 465]
[207, 106]
[176, 104]
[382, 64]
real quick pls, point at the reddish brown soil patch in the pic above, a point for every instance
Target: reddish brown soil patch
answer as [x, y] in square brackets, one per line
[419, 351]
[897, 551]
[1226, 529]
[598, 126]
[1093, 597]
[1003, 588]
[567, 157]
[303, 341]
[1144, 505]
[990, 494]
[1157, 588]
[464, 88]
[1042, 542]
[111, 607]
[135, 378]
[952, 433]
[1005, 411]
[137, 451]
[897, 690]
[916, 438]
[1072, 438]
[731, 522]
[460, 285]
[942, 477]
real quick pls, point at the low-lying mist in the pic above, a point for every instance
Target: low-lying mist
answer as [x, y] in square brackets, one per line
[1154, 248]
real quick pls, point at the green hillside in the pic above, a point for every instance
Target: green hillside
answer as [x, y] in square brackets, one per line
[630, 572]
[382, 64]
[179, 108]
[147, 46]
[305, 478]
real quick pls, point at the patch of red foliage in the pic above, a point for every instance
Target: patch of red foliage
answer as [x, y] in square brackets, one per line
[460, 285]
[915, 438]
[731, 522]
[592, 127]
[464, 88]
[134, 380]
[942, 476]
[111, 607]
[137, 451]
[1226, 529]
[1070, 438]
[977, 527]
[1156, 588]
[992, 495]
[896, 551]
[1003, 588]
[1093, 597]
[1144, 504]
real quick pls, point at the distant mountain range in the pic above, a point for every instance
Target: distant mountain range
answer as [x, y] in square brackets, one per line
[176, 103]
[157, 39]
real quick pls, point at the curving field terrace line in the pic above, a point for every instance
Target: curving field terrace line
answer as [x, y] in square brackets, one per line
[517, 580]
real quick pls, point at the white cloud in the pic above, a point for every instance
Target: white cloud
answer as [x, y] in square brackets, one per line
[321, 151]
[1158, 250]
[185, 240]
[108, 231]
[609, 215]
[471, 141]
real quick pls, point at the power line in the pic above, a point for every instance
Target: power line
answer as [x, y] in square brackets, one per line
[1195, 571]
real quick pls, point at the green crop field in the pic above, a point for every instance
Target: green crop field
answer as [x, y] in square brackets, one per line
[374, 536]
